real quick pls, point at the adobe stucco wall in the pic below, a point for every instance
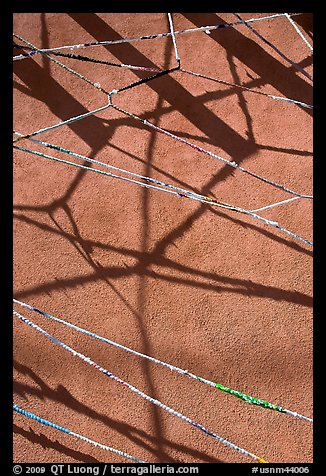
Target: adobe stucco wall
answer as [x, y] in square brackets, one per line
[203, 288]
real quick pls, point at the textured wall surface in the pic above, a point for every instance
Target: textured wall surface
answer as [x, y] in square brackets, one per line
[204, 288]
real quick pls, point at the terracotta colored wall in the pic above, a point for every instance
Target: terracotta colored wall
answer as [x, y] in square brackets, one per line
[203, 288]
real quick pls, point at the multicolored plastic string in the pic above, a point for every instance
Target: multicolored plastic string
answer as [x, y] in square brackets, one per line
[191, 195]
[139, 392]
[181, 191]
[269, 43]
[159, 35]
[246, 398]
[97, 85]
[19, 410]
[159, 70]
[79, 75]
[170, 189]
[297, 29]
[144, 80]
[180, 139]
[278, 98]
[232, 164]
[211, 154]
[63, 123]
[83, 58]
[177, 57]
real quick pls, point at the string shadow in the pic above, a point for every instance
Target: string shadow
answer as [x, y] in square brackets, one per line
[45, 442]
[251, 54]
[156, 257]
[150, 443]
[305, 20]
[44, 88]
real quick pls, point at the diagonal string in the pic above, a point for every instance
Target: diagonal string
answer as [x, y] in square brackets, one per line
[32, 416]
[82, 58]
[144, 80]
[103, 164]
[97, 85]
[158, 70]
[246, 398]
[275, 204]
[297, 29]
[63, 123]
[279, 98]
[182, 191]
[109, 174]
[295, 65]
[79, 75]
[166, 188]
[211, 154]
[139, 392]
[208, 200]
[162, 35]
